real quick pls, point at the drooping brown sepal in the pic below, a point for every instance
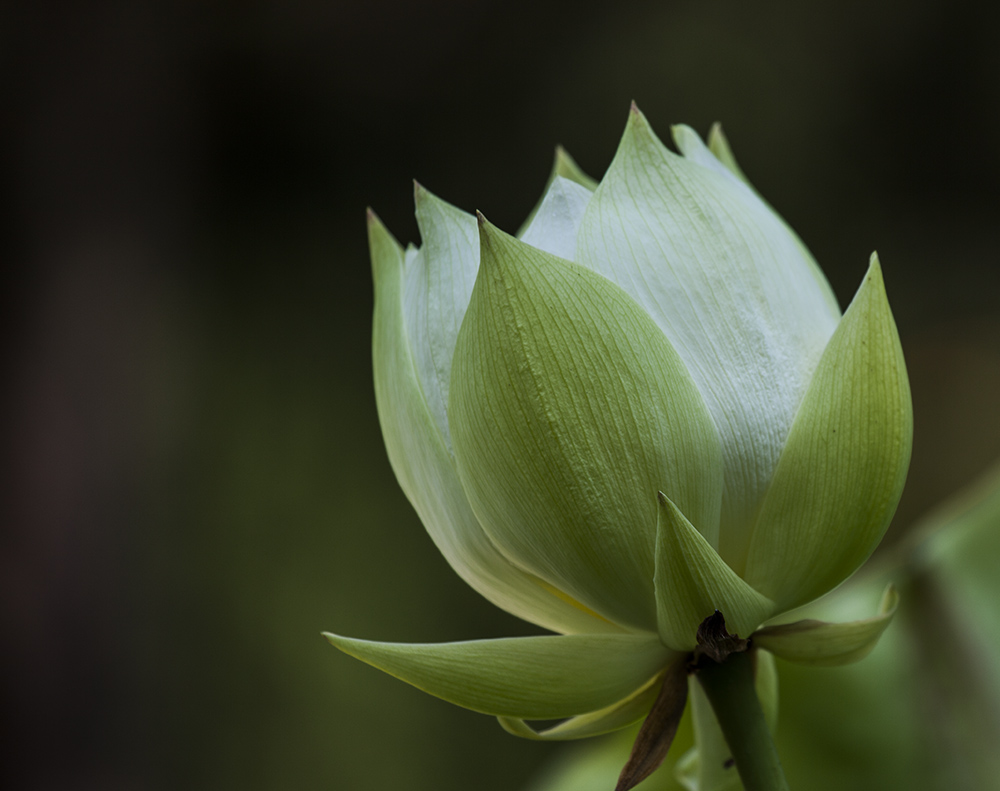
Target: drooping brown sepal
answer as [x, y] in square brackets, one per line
[659, 728]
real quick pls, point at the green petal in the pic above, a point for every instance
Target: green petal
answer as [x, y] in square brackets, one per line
[824, 644]
[426, 471]
[523, 677]
[555, 226]
[842, 470]
[729, 286]
[569, 411]
[611, 718]
[692, 582]
[565, 167]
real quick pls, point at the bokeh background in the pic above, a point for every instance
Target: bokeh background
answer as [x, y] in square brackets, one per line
[195, 480]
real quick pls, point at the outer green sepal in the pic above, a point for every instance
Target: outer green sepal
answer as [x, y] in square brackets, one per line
[692, 582]
[523, 677]
[552, 361]
[841, 473]
[819, 643]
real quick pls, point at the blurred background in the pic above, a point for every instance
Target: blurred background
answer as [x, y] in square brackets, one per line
[196, 484]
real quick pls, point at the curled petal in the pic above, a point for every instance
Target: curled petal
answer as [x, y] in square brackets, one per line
[610, 718]
[819, 643]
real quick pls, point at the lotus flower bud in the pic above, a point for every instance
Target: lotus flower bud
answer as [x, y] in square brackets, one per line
[646, 408]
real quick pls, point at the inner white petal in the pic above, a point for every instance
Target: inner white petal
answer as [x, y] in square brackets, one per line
[553, 229]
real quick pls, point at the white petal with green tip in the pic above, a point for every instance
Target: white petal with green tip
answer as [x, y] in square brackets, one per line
[426, 471]
[842, 471]
[611, 718]
[691, 146]
[718, 145]
[521, 677]
[554, 227]
[692, 582]
[828, 644]
[569, 411]
[438, 282]
[563, 166]
[566, 167]
[730, 288]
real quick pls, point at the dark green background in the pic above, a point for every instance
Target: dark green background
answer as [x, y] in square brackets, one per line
[196, 481]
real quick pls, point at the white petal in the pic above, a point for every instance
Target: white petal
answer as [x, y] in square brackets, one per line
[731, 289]
[555, 225]
[563, 166]
[438, 281]
[718, 149]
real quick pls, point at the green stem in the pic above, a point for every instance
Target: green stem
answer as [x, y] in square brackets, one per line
[729, 686]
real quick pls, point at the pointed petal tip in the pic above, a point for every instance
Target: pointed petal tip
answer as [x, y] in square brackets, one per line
[383, 248]
[636, 119]
[662, 499]
[489, 237]
[716, 137]
[376, 227]
[419, 191]
[873, 277]
[564, 165]
[639, 128]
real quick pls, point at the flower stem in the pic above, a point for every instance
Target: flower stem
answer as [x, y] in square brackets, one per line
[729, 686]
